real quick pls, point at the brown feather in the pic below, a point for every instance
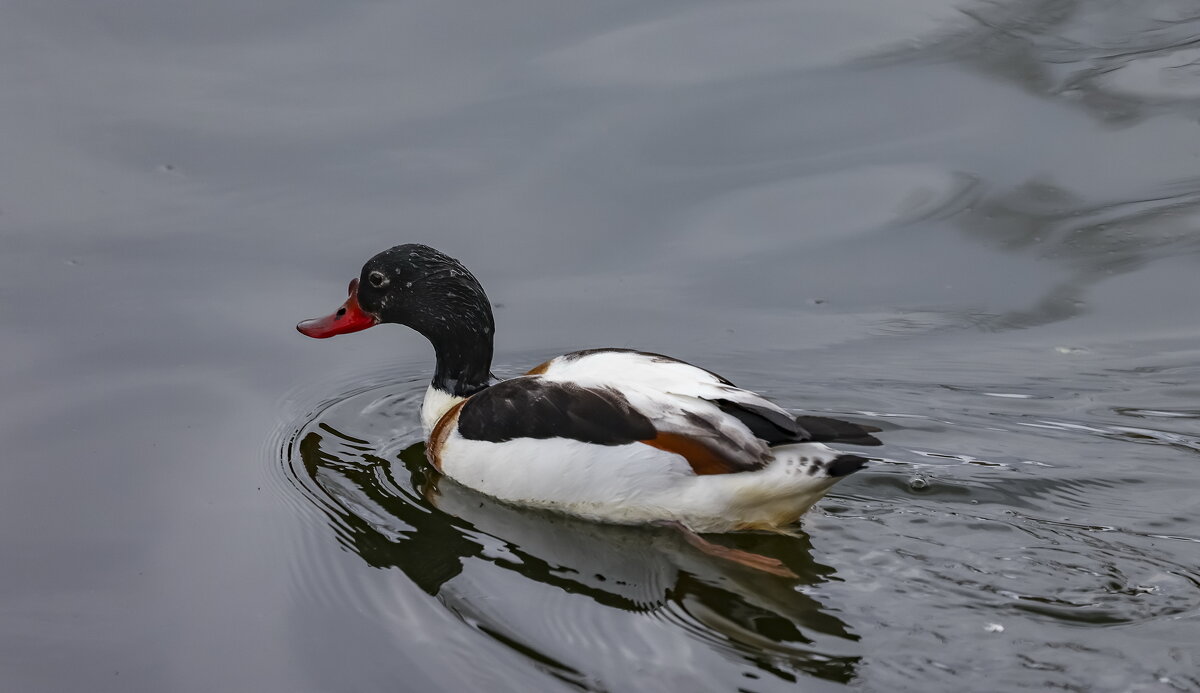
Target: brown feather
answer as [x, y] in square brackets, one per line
[698, 455]
[441, 431]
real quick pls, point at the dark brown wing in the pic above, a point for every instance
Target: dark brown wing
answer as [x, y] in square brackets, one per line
[531, 407]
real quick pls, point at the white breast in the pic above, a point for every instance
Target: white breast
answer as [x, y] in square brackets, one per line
[435, 406]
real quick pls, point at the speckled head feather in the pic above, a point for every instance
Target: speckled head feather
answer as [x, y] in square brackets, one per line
[437, 296]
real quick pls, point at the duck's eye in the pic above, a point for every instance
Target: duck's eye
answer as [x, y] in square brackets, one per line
[378, 279]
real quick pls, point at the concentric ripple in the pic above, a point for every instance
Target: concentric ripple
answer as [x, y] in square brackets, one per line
[588, 604]
[1021, 537]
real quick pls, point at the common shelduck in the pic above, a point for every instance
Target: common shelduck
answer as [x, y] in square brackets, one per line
[613, 435]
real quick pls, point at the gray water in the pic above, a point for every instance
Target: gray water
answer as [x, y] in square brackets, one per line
[974, 224]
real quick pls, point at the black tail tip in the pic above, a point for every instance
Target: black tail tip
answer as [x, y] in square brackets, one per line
[822, 429]
[845, 465]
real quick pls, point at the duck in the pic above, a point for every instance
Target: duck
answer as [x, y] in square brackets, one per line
[610, 435]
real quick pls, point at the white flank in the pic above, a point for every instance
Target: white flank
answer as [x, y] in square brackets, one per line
[636, 483]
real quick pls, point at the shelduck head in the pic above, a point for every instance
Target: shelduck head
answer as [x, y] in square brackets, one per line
[432, 293]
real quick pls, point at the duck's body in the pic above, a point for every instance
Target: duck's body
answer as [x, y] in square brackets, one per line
[606, 434]
[625, 436]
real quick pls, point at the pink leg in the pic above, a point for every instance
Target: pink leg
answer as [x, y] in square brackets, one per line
[756, 561]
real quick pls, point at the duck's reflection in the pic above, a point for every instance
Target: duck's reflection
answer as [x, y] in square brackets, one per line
[404, 515]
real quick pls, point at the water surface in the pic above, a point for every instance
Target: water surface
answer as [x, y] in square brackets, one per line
[975, 224]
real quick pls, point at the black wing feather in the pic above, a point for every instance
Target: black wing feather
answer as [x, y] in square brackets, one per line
[778, 428]
[772, 426]
[531, 407]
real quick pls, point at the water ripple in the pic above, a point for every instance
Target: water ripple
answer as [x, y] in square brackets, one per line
[1011, 541]
[603, 593]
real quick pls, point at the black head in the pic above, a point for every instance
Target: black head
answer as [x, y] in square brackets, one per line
[425, 289]
[429, 291]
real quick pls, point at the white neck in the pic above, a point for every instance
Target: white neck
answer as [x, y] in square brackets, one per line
[437, 403]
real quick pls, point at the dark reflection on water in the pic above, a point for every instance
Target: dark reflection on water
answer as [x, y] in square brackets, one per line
[1119, 66]
[1014, 550]
[399, 513]
[1094, 242]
